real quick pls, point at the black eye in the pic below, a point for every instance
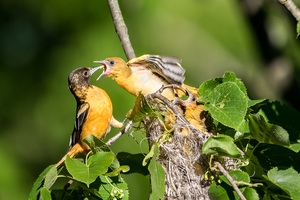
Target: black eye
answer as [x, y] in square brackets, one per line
[112, 62]
[85, 73]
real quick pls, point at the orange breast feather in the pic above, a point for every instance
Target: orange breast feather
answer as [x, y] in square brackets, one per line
[100, 113]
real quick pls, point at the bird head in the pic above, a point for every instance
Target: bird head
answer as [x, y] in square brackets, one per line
[113, 67]
[80, 78]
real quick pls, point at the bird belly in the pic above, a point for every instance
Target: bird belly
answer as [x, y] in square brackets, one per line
[99, 117]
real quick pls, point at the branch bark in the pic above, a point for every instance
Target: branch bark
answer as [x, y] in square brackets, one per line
[230, 179]
[121, 28]
[291, 6]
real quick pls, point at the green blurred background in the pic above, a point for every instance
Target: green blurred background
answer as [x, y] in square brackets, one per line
[41, 42]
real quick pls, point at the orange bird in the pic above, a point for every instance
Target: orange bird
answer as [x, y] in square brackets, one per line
[146, 73]
[93, 114]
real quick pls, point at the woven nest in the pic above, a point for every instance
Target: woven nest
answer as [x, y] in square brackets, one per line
[182, 158]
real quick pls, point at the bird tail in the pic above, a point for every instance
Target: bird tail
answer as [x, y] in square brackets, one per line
[73, 151]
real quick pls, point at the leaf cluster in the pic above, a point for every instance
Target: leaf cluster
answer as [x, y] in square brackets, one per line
[262, 136]
[97, 177]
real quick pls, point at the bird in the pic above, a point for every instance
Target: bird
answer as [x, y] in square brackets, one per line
[146, 74]
[93, 114]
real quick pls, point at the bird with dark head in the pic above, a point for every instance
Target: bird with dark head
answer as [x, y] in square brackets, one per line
[93, 114]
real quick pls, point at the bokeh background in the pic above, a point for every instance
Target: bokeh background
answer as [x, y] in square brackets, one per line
[41, 42]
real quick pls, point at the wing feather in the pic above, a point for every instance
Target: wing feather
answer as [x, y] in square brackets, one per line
[82, 114]
[167, 67]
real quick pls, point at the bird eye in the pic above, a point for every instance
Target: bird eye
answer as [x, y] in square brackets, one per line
[112, 62]
[85, 73]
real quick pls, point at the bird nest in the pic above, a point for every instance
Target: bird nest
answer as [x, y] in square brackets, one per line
[181, 156]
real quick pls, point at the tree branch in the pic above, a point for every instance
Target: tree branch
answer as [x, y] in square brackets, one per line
[124, 130]
[230, 179]
[291, 6]
[121, 28]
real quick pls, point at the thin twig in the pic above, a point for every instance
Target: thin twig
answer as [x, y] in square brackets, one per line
[291, 6]
[121, 28]
[124, 130]
[230, 179]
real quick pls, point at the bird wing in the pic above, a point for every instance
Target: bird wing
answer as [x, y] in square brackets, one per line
[82, 114]
[168, 68]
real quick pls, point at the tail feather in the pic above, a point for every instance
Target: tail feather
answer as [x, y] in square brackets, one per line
[75, 150]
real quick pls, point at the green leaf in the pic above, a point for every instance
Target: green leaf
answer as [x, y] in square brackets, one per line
[288, 180]
[221, 145]
[140, 110]
[98, 145]
[230, 77]
[111, 187]
[207, 87]
[38, 183]
[251, 194]
[286, 117]
[50, 178]
[87, 173]
[255, 102]
[265, 132]
[217, 192]
[228, 105]
[157, 176]
[149, 155]
[298, 29]
[116, 172]
[45, 194]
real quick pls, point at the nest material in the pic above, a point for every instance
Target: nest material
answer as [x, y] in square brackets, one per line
[182, 158]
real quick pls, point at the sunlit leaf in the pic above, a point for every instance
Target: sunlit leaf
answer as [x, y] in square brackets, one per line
[45, 194]
[288, 180]
[50, 178]
[98, 145]
[87, 173]
[228, 105]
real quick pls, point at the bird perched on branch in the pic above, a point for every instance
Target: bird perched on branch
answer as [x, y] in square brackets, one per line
[93, 114]
[146, 73]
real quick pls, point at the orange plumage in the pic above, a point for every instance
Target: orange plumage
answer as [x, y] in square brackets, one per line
[147, 74]
[94, 111]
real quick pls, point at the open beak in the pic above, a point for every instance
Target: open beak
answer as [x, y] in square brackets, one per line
[105, 67]
[94, 69]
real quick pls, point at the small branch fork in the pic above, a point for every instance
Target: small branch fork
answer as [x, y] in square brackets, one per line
[121, 28]
[291, 6]
[231, 180]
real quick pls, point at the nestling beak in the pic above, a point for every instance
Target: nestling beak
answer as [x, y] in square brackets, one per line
[94, 69]
[105, 66]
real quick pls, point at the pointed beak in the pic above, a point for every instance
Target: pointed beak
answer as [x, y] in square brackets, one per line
[94, 69]
[105, 68]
